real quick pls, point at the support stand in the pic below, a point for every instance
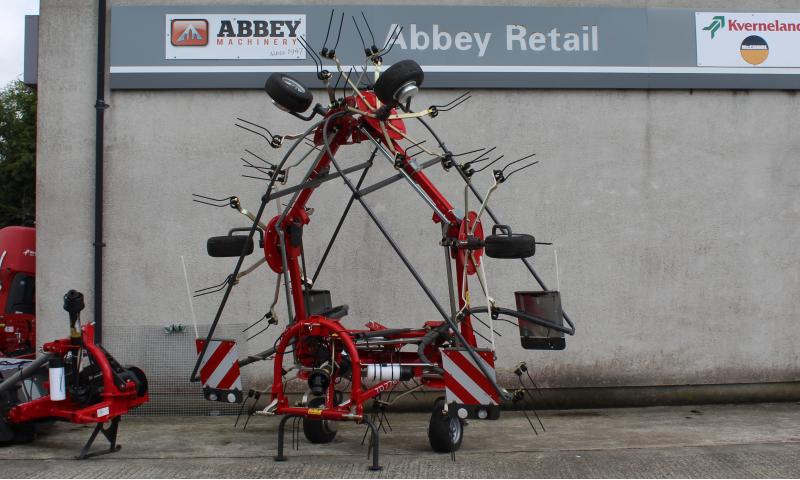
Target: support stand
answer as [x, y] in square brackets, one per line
[281, 426]
[111, 435]
[375, 445]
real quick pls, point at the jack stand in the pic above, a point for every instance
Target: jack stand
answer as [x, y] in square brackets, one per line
[375, 446]
[111, 436]
[280, 457]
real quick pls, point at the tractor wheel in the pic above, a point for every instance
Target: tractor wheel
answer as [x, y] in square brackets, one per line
[288, 93]
[517, 245]
[395, 77]
[445, 432]
[229, 246]
[319, 431]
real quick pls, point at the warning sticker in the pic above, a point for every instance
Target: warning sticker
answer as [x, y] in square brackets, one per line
[102, 412]
[314, 411]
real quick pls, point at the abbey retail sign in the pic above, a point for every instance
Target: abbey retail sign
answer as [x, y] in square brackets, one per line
[213, 46]
[761, 40]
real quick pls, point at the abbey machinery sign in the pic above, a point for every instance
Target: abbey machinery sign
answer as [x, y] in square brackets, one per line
[233, 37]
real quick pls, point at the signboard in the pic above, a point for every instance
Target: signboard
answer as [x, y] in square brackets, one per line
[163, 47]
[762, 40]
[231, 37]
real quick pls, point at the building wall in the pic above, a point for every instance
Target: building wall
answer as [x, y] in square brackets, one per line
[675, 214]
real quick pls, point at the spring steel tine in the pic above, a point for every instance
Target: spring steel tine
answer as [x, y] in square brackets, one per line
[476, 333]
[257, 334]
[256, 125]
[264, 170]
[480, 157]
[484, 324]
[393, 42]
[534, 383]
[522, 168]
[257, 178]
[390, 38]
[359, 32]
[534, 412]
[471, 151]
[311, 52]
[218, 287]
[226, 200]
[330, 22]
[370, 30]
[253, 131]
[516, 161]
[450, 105]
[257, 322]
[490, 164]
[440, 107]
[454, 106]
[341, 23]
[253, 154]
[527, 417]
[415, 145]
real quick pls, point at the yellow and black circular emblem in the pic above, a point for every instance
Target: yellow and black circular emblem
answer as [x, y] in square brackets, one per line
[754, 50]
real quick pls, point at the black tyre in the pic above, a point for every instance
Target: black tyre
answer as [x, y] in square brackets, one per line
[288, 93]
[518, 245]
[137, 372]
[445, 432]
[396, 77]
[319, 431]
[229, 246]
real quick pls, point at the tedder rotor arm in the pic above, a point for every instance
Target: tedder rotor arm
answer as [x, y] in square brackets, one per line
[264, 199]
[502, 392]
[492, 215]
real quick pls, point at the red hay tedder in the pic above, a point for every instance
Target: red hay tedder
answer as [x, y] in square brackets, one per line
[441, 354]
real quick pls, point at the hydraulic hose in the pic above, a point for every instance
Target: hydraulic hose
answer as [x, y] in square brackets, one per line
[428, 340]
[27, 372]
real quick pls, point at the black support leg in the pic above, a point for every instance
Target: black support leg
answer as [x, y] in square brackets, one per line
[111, 435]
[281, 428]
[375, 445]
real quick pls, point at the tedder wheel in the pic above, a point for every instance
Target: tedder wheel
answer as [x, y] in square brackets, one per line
[140, 376]
[445, 433]
[288, 93]
[319, 431]
[396, 77]
[229, 246]
[516, 245]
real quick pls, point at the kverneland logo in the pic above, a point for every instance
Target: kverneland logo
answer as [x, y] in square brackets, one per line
[189, 32]
[776, 26]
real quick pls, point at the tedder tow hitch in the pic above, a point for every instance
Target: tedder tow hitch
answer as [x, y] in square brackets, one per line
[443, 353]
[86, 385]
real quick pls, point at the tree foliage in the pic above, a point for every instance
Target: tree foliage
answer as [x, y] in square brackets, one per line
[17, 153]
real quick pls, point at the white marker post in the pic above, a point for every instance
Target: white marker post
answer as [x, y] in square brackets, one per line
[189, 292]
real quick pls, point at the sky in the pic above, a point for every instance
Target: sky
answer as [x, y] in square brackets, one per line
[12, 37]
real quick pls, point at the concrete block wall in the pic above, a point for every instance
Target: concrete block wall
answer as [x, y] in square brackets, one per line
[675, 214]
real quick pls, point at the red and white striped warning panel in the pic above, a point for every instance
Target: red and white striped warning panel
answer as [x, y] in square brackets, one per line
[464, 383]
[220, 366]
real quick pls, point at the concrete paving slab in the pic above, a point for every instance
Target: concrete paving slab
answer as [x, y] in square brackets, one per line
[703, 441]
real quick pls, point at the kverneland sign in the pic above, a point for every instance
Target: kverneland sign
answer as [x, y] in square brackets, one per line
[759, 40]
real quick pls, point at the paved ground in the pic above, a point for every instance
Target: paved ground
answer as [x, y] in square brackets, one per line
[708, 441]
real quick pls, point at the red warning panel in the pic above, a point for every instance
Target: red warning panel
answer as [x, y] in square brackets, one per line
[464, 383]
[220, 366]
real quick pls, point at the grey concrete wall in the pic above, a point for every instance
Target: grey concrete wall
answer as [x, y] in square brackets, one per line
[675, 214]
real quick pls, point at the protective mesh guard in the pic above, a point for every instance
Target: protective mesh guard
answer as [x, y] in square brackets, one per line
[168, 359]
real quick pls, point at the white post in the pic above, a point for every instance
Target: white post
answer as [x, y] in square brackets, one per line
[189, 292]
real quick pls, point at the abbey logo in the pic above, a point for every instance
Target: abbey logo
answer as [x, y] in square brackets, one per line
[716, 24]
[192, 32]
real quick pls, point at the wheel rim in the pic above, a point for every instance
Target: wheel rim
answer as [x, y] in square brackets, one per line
[455, 430]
